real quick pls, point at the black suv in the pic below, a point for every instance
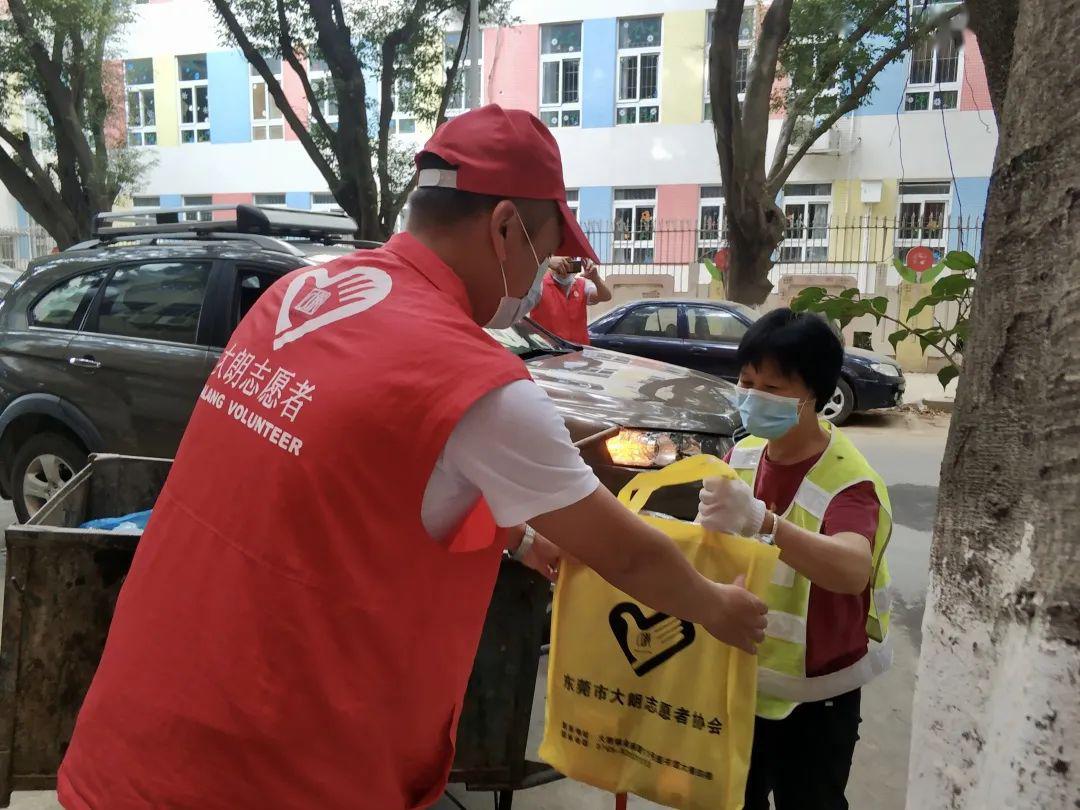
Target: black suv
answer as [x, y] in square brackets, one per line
[105, 347]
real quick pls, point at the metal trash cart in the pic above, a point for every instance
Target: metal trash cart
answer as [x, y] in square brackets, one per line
[60, 591]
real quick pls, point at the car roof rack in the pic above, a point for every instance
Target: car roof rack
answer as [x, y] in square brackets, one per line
[282, 223]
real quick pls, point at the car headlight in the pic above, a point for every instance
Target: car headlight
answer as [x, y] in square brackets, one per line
[658, 448]
[886, 369]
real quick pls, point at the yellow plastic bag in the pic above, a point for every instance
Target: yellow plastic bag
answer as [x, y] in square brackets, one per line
[639, 702]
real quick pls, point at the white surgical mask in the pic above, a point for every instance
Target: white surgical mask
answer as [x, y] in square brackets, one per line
[563, 281]
[512, 310]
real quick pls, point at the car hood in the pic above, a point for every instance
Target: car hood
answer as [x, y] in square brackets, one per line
[635, 392]
[871, 357]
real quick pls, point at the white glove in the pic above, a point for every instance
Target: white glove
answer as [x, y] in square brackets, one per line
[728, 505]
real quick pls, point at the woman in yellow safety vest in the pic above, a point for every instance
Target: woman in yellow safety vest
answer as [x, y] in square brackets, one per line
[802, 485]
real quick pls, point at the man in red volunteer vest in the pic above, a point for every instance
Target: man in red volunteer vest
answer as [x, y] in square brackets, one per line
[301, 617]
[566, 296]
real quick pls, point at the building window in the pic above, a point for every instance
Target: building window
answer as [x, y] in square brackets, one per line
[635, 210]
[934, 76]
[806, 237]
[145, 201]
[572, 201]
[267, 123]
[322, 81]
[141, 118]
[458, 100]
[270, 200]
[560, 74]
[712, 234]
[194, 99]
[924, 212]
[324, 201]
[197, 216]
[638, 99]
[747, 33]
[402, 121]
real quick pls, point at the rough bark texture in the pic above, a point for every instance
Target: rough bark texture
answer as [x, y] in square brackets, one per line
[996, 712]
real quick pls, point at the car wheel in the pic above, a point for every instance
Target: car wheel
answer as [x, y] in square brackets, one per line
[41, 467]
[840, 404]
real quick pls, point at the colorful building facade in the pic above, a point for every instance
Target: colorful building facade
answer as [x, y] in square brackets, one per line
[623, 85]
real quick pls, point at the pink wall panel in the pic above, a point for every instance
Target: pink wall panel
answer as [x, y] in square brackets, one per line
[230, 199]
[974, 92]
[294, 92]
[512, 67]
[116, 120]
[676, 215]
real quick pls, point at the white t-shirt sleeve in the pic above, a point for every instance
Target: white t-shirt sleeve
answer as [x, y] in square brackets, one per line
[590, 291]
[513, 448]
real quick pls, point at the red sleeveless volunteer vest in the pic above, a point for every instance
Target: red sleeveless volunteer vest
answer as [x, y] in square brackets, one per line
[565, 315]
[289, 635]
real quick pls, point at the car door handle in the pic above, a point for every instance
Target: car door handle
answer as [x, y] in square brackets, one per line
[84, 362]
[615, 343]
[698, 350]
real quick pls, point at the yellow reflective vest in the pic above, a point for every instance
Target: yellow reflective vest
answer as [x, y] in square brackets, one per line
[782, 679]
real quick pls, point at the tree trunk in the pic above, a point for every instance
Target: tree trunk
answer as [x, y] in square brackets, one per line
[996, 711]
[753, 238]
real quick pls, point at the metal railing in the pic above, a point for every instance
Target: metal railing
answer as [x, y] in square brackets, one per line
[854, 247]
[19, 245]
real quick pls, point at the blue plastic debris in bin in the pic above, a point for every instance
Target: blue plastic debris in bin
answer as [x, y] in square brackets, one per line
[136, 521]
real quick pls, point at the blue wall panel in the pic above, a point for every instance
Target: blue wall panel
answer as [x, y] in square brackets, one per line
[595, 214]
[230, 97]
[298, 199]
[171, 200]
[598, 50]
[968, 205]
[888, 92]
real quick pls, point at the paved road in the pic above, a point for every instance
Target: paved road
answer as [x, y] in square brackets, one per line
[907, 451]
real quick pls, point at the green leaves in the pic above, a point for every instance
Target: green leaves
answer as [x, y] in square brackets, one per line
[953, 286]
[897, 336]
[947, 375]
[906, 273]
[880, 304]
[960, 260]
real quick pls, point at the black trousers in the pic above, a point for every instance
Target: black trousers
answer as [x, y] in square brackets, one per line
[804, 759]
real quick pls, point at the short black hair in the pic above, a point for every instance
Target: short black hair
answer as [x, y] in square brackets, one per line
[433, 207]
[801, 344]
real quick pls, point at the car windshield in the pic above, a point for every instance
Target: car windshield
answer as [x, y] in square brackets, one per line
[750, 313]
[526, 341]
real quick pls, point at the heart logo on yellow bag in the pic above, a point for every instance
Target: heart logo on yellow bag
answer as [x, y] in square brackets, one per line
[647, 642]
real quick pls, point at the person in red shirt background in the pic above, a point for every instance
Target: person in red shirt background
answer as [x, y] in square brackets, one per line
[802, 485]
[567, 293]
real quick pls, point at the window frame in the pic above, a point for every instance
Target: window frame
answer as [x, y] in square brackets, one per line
[196, 216]
[708, 245]
[322, 78]
[137, 205]
[331, 207]
[710, 309]
[573, 201]
[202, 329]
[562, 108]
[633, 244]
[283, 204]
[142, 130]
[196, 127]
[917, 233]
[448, 59]
[806, 241]
[81, 311]
[933, 88]
[679, 322]
[638, 103]
[746, 46]
[267, 123]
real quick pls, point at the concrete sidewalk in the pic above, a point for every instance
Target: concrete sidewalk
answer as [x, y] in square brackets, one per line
[925, 390]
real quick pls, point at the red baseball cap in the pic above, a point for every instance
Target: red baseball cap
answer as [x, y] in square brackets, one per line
[504, 153]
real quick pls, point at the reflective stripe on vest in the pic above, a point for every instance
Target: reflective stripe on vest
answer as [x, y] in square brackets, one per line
[782, 676]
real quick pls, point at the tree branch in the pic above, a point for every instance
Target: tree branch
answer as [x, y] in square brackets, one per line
[274, 86]
[854, 99]
[41, 202]
[452, 74]
[58, 98]
[723, 97]
[288, 53]
[758, 100]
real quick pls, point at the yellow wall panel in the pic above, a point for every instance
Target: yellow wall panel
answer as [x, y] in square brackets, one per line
[166, 100]
[682, 79]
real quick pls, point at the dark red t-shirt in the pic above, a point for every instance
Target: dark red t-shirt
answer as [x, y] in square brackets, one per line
[835, 622]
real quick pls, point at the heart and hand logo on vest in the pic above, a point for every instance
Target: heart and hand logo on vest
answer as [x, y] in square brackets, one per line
[315, 299]
[647, 642]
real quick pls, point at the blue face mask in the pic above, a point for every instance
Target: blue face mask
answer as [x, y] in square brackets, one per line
[767, 416]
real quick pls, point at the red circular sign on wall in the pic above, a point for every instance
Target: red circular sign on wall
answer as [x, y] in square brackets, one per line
[920, 259]
[722, 259]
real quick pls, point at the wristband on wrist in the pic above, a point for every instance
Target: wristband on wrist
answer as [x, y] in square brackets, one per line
[524, 546]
